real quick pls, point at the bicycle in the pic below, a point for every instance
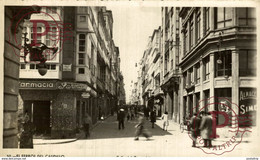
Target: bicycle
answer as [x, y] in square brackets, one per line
[185, 125]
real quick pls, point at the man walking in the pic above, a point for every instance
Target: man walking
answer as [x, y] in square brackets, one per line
[206, 128]
[140, 130]
[194, 125]
[120, 118]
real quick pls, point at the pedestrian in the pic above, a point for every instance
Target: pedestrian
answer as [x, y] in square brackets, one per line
[206, 128]
[165, 120]
[153, 117]
[121, 117]
[140, 130]
[132, 112]
[26, 139]
[128, 114]
[146, 112]
[86, 125]
[194, 125]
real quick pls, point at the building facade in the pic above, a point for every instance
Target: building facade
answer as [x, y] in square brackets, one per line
[82, 77]
[151, 73]
[208, 63]
[170, 56]
[218, 61]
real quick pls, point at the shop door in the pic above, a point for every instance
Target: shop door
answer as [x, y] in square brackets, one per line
[41, 117]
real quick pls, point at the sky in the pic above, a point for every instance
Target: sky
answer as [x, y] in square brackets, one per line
[131, 30]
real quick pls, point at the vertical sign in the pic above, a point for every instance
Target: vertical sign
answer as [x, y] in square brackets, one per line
[247, 107]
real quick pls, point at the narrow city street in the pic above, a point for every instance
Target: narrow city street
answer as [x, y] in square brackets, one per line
[107, 141]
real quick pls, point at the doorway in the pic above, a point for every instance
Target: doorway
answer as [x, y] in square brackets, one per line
[39, 112]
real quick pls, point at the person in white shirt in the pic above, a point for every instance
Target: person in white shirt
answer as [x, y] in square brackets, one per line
[165, 120]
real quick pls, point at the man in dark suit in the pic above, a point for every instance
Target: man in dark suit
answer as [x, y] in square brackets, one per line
[120, 118]
[194, 125]
[206, 129]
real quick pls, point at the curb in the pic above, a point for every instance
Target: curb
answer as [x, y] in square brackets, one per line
[73, 140]
[69, 141]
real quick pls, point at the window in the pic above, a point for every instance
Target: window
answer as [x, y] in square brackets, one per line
[82, 42]
[191, 78]
[166, 62]
[197, 73]
[82, 9]
[224, 17]
[191, 33]
[81, 70]
[51, 66]
[51, 37]
[198, 26]
[51, 10]
[247, 63]
[223, 63]
[91, 64]
[82, 19]
[39, 37]
[246, 16]
[157, 80]
[34, 66]
[185, 79]
[207, 19]
[206, 68]
[22, 66]
[185, 45]
[81, 49]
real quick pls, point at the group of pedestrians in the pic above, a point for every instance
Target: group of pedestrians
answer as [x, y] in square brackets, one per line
[201, 125]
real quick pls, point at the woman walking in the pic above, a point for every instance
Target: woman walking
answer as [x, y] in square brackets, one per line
[153, 117]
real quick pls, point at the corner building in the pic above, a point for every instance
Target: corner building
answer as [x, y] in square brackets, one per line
[218, 61]
[81, 79]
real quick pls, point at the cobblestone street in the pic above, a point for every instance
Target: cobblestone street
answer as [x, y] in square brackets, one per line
[107, 140]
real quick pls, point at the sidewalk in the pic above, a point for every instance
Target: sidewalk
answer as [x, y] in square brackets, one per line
[80, 135]
[173, 126]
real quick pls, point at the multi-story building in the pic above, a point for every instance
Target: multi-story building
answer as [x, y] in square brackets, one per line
[82, 77]
[218, 61]
[170, 48]
[151, 71]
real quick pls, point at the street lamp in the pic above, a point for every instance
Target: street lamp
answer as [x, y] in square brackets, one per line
[219, 60]
[36, 54]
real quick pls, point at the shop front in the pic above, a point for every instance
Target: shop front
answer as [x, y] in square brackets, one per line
[56, 108]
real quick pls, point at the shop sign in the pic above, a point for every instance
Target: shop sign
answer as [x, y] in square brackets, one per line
[85, 95]
[73, 86]
[37, 85]
[66, 67]
[247, 105]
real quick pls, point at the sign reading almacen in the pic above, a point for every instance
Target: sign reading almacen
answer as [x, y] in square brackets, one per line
[37, 85]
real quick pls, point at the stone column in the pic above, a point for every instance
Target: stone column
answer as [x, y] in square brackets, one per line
[182, 111]
[211, 19]
[211, 81]
[188, 105]
[235, 83]
[202, 97]
[175, 106]
[194, 103]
